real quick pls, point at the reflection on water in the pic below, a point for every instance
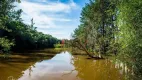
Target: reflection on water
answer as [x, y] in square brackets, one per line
[63, 66]
[97, 70]
[53, 69]
[123, 69]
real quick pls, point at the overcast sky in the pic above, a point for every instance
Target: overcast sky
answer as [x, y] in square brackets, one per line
[56, 17]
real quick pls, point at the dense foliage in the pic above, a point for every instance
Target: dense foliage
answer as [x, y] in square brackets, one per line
[112, 26]
[97, 29]
[18, 36]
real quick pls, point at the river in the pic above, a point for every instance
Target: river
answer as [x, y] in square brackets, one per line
[63, 66]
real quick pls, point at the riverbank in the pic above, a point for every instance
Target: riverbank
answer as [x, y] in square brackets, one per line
[31, 54]
[45, 53]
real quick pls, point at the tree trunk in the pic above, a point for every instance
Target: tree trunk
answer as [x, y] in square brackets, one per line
[88, 53]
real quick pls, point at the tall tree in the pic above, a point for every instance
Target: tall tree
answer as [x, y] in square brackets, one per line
[130, 37]
[97, 27]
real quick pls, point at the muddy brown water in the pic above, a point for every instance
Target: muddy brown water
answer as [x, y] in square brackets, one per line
[63, 66]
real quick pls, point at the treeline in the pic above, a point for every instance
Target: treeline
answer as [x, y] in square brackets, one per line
[18, 36]
[112, 26]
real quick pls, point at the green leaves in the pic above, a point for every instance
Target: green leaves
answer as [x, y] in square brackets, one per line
[129, 22]
[14, 31]
[6, 44]
[97, 25]
[113, 26]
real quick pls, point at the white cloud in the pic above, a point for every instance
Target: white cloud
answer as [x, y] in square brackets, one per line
[49, 7]
[46, 14]
[60, 33]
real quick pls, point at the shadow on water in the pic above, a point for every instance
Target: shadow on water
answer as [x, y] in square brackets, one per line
[62, 66]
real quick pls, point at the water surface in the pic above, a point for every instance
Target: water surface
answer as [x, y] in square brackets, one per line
[62, 66]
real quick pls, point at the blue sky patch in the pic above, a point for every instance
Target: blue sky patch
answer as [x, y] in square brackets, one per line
[56, 17]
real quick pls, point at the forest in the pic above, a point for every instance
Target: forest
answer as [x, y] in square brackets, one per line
[15, 35]
[108, 29]
[112, 27]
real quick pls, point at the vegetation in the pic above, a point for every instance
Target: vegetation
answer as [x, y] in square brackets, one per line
[112, 26]
[97, 29]
[107, 27]
[18, 36]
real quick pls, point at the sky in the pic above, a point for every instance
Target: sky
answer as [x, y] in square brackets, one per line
[58, 18]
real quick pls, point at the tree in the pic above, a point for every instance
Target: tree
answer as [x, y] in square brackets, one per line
[112, 26]
[6, 9]
[18, 36]
[97, 27]
[130, 37]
